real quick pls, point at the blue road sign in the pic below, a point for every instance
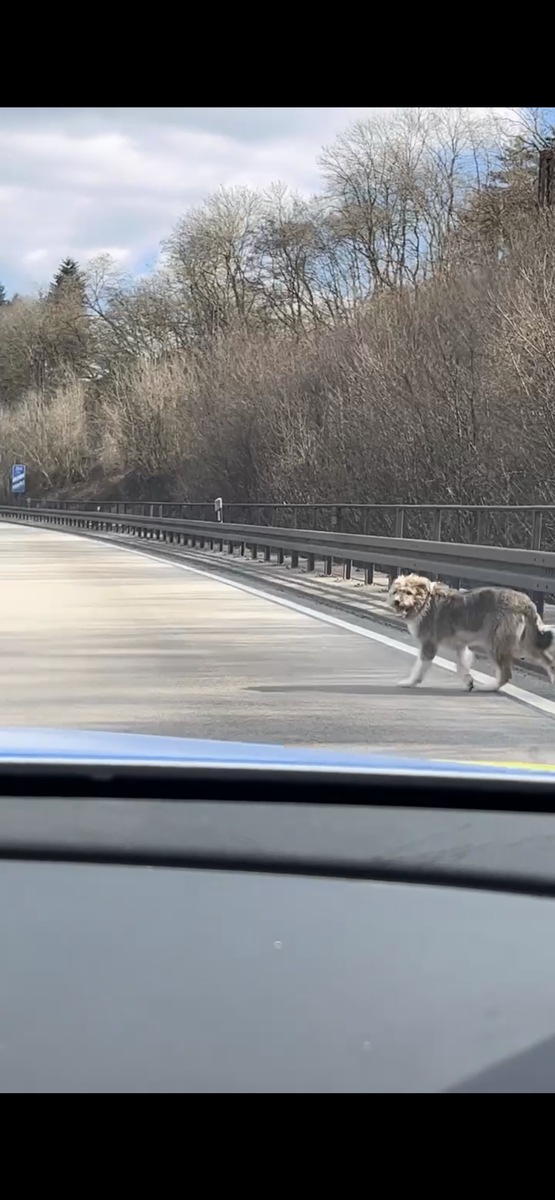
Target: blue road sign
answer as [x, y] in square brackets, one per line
[18, 478]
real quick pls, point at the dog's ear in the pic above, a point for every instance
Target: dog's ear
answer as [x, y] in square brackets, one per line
[420, 583]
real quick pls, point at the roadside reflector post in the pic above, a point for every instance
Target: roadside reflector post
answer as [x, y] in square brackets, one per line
[539, 600]
[219, 508]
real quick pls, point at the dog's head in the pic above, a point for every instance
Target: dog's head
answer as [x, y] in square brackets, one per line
[409, 595]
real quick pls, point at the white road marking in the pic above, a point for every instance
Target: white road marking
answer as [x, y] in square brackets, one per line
[517, 693]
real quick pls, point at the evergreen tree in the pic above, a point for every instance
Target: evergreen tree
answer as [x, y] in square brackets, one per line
[70, 330]
[68, 282]
[3, 297]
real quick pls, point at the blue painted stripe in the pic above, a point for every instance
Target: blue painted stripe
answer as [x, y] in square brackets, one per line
[70, 746]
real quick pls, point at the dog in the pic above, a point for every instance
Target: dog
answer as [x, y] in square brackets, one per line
[502, 622]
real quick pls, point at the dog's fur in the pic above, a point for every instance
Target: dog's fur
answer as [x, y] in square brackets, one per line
[504, 623]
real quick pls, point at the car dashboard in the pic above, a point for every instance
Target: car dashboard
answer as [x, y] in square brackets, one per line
[233, 931]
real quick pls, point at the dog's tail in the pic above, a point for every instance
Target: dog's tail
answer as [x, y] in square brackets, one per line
[543, 637]
[539, 635]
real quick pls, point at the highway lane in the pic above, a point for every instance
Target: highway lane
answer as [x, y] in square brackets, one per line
[94, 636]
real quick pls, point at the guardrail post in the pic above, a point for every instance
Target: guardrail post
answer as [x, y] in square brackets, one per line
[294, 559]
[334, 520]
[310, 562]
[392, 572]
[347, 566]
[537, 529]
[369, 573]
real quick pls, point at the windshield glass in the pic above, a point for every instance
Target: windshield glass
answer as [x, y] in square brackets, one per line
[276, 409]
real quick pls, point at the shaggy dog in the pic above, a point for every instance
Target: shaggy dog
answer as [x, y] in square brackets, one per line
[502, 622]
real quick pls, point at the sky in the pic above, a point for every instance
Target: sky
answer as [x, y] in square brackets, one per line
[89, 181]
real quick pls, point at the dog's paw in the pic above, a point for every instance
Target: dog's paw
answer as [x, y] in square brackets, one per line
[406, 683]
[469, 684]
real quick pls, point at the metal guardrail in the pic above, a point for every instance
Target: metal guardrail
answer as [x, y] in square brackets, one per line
[532, 571]
[528, 526]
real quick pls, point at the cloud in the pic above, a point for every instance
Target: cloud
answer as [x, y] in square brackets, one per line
[83, 181]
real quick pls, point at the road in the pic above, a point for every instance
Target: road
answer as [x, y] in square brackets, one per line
[95, 636]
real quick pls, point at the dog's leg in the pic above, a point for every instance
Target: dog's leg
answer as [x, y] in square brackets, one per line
[503, 672]
[465, 658]
[544, 659]
[421, 666]
[547, 660]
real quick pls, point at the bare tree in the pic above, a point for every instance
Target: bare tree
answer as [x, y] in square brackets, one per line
[390, 339]
[214, 257]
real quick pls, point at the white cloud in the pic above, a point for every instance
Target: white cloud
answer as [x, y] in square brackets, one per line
[89, 181]
[35, 256]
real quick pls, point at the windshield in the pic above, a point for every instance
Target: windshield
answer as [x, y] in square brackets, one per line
[276, 410]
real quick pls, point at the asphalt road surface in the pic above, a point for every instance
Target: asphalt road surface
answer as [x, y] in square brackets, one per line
[96, 636]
